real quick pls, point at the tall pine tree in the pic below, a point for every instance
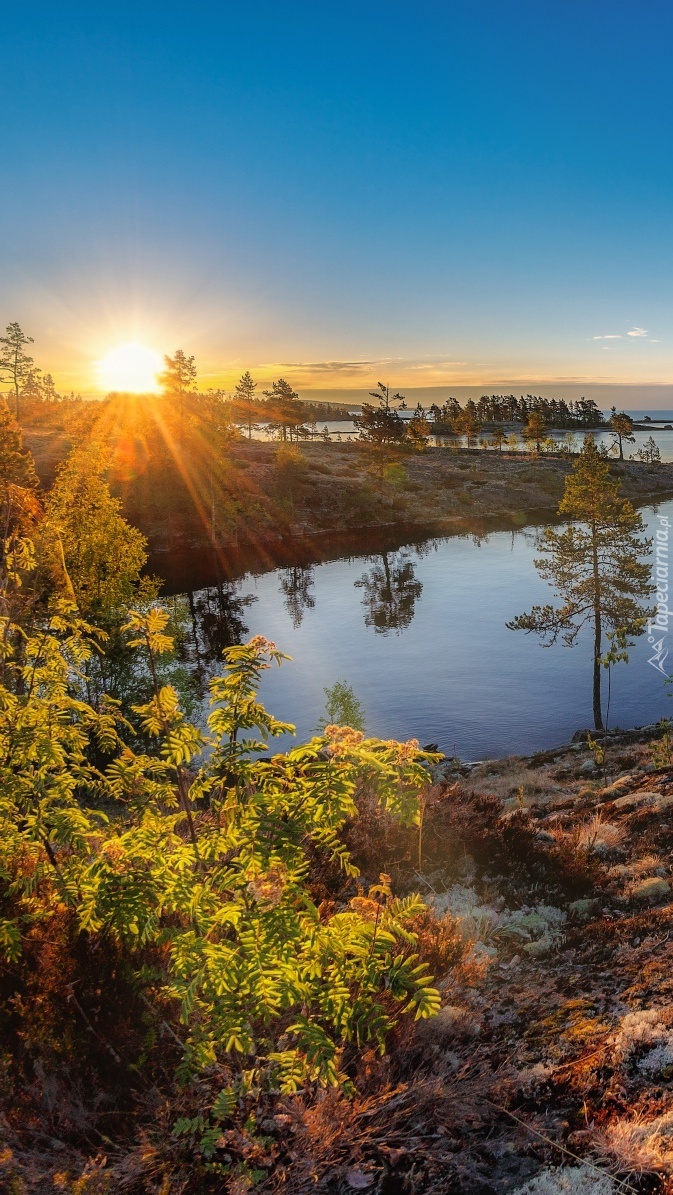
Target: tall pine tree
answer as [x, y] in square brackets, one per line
[595, 565]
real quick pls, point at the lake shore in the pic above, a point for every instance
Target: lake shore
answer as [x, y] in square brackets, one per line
[332, 499]
[341, 505]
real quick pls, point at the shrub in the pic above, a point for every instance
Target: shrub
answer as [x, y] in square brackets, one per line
[204, 865]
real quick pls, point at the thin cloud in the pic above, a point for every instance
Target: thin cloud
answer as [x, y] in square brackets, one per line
[609, 336]
[329, 366]
[637, 332]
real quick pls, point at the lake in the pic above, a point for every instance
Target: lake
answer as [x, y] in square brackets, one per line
[418, 631]
[661, 432]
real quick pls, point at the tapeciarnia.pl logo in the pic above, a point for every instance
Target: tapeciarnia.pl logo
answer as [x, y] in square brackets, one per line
[657, 628]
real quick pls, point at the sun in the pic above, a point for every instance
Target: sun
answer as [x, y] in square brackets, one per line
[130, 367]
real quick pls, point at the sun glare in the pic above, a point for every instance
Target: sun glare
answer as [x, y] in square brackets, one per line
[130, 367]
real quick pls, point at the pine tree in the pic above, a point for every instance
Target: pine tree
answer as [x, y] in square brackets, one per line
[594, 564]
[246, 402]
[649, 453]
[286, 412]
[467, 424]
[535, 430]
[178, 380]
[15, 364]
[621, 426]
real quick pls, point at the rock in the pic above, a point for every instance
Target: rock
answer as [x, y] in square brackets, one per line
[544, 836]
[664, 802]
[568, 1180]
[653, 888]
[635, 800]
[589, 765]
[358, 1180]
[449, 1016]
[617, 786]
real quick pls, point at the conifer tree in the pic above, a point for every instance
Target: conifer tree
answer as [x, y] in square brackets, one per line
[15, 364]
[245, 402]
[595, 565]
[286, 412]
[535, 430]
[381, 425]
[621, 426]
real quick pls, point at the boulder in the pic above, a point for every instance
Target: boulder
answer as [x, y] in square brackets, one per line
[636, 800]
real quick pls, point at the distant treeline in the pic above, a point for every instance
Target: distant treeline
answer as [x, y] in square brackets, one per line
[503, 408]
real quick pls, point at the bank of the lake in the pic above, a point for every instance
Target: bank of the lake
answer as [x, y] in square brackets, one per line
[252, 508]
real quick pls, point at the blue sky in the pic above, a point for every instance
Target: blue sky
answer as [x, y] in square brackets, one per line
[433, 192]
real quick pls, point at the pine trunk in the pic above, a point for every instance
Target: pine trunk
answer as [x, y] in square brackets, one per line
[598, 716]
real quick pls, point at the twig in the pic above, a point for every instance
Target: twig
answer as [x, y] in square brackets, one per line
[164, 1024]
[578, 1061]
[555, 1145]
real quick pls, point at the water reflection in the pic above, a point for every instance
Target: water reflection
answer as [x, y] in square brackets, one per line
[390, 592]
[217, 620]
[296, 584]
[419, 631]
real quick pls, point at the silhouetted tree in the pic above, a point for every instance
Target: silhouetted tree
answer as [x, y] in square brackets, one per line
[178, 381]
[15, 364]
[382, 425]
[245, 404]
[285, 411]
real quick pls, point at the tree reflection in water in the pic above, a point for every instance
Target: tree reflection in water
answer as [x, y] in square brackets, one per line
[296, 584]
[217, 621]
[390, 592]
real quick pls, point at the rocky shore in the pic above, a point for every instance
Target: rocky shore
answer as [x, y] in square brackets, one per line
[557, 877]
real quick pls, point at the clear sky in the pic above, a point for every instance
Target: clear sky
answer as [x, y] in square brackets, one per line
[342, 191]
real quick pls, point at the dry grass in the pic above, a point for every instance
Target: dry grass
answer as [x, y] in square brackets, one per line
[599, 836]
[637, 1146]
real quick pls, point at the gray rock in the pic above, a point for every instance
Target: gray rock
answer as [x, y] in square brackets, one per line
[635, 800]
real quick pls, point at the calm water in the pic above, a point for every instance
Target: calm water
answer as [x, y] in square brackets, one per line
[420, 635]
[663, 437]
